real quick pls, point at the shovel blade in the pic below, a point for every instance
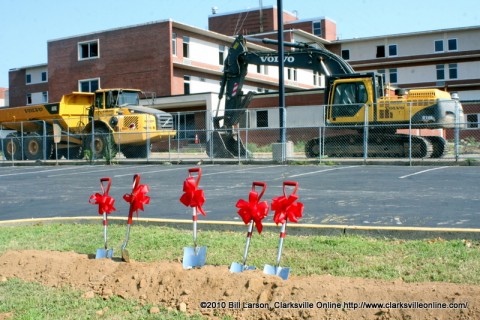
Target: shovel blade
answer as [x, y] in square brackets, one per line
[277, 271]
[104, 253]
[125, 255]
[238, 267]
[194, 257]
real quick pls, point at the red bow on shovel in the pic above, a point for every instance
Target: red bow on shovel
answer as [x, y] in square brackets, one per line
[137, 199]
[253, 209]
[105, 207]
[252, 212]
[193, 197]
[286, 209]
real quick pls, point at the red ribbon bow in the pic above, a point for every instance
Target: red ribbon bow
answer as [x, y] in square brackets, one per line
[138, 198]
[253, 210]
[104, 201]
[286, 208]
[193, 197]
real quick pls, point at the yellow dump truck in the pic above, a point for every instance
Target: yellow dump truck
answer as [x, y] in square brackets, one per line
[101, 122]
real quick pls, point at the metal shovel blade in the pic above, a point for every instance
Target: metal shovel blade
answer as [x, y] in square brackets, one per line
[194, 257]
[238, 267]
[277, 271]
[104, 253]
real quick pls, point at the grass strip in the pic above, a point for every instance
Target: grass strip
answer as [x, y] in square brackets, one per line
[352, 256]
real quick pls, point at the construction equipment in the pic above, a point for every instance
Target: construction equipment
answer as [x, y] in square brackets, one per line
[105, 207]
[137, 199]
[352, 100]
[104, 122]
[252, 212]
[194, 257]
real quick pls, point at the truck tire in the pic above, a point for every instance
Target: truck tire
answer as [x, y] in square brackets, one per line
[103, 145]
[132, 152]
[33, 147]
[12, 148]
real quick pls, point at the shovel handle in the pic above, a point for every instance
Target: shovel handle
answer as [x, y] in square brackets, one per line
[290, 184]
[136, 181]
[108, 181]
[263, 185]
[199, 174]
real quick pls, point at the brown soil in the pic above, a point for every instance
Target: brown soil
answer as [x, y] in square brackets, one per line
[241, 295]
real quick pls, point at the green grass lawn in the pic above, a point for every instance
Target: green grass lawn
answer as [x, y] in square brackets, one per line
[352, 256]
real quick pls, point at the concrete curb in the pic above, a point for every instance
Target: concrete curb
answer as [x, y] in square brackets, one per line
[407, 233]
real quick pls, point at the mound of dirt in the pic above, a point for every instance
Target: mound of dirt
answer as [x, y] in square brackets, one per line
[214, 291]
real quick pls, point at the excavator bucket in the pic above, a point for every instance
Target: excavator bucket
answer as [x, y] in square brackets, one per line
[226, 145]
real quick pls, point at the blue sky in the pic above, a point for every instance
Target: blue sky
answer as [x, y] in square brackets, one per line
[27, 25]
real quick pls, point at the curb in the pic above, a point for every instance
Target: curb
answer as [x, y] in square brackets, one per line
[407, 233]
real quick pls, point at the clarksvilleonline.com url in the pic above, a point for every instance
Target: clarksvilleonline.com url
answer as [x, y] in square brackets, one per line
[331, 305]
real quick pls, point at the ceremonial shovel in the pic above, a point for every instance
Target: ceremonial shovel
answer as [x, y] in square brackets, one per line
[193, 257]
[105, 252]
[240, 267]
[288, 210]
[137, 198]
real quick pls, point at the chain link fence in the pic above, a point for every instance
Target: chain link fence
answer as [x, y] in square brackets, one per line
[257, 137]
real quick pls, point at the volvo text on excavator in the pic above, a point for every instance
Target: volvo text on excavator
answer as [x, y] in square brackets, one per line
[352, 99]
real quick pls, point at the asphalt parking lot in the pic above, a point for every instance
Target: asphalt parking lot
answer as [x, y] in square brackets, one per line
[397, 196]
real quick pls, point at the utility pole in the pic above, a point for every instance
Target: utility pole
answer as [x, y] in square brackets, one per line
[281, 80]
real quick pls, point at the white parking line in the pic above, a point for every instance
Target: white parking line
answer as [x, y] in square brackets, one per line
[423, 171]
[320, 171]
[92, 171]
[33, 172]
[155, 171]
[244, 169]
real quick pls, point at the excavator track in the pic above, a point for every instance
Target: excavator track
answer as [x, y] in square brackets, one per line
[379, 145]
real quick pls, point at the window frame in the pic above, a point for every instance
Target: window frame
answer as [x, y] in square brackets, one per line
[174, 43]
[440, 68]
[186, 47]
[317, 28]
[472, 124]
[261, 118]
[439, 43]
[456, 44]
[89, 81]
[393, 75]
[89, 43]
[390, 47]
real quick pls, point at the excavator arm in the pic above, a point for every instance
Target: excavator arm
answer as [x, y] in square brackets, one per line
[225, 142]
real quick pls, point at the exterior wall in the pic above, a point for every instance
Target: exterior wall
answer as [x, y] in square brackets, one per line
[18, 88]
[135, 57]
[247, 22]
[329, 27]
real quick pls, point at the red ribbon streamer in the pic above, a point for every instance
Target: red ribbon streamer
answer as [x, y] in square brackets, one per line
[286, 209]
[104, 201]
[193, 197]
[253, 210]
[137, 199]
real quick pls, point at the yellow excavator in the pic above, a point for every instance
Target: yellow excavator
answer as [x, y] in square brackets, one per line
[352, 99]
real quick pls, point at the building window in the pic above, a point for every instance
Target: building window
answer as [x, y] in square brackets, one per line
[392, 50]
[88, 50]
[186, 42]
[221, 55]
[90, 85]
[346, 54]
[380, 52]
[472, 120]
[452, 71]
[174, 43]
[262, 118]
[393, 75]
[28, 78]
[292, 74]
[29, 98]
[44, 96]
[440, 72]
[44, 76]
[438, 45]
[317, 28]
[452, 44]
[186, 84]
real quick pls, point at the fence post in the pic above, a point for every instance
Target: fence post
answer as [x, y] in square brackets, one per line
[457, 130]
[44, 140]
[365, 135]
[410, 133]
